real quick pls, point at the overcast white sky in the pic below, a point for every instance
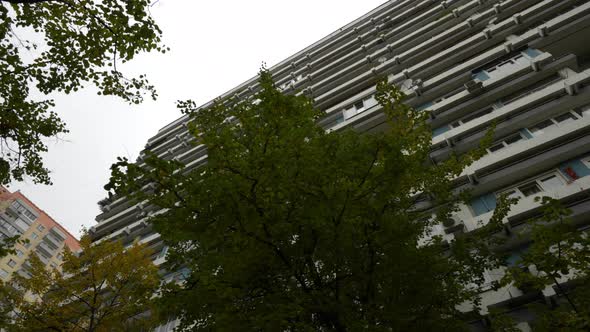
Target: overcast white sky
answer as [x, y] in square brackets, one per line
[216, 45]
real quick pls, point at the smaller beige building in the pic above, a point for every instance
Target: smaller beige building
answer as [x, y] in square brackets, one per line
[46, 238]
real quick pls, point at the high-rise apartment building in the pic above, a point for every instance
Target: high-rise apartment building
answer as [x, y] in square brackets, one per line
[46, 238]
[523, 65]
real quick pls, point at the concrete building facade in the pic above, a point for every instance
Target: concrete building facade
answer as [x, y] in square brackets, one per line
[46, 238]
[523, 65]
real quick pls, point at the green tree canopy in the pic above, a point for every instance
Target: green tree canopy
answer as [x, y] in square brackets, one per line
[558, 252]
[104, 288]
[7, 245]
[59, 46]
[288, 227]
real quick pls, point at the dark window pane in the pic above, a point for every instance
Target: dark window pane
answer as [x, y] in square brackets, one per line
[497, 147]
[513, 139]
[564, 117]
[530, 189]
[541, 125]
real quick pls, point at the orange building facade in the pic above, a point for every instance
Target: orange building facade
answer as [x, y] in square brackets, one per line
[19, 216]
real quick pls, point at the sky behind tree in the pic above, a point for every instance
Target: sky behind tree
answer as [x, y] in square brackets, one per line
[215, 46]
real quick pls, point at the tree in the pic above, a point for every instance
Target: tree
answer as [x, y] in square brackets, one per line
[7, 245]
[558, 251]
[6, 248]
[104, 288]
[59, 46]
[288, 227]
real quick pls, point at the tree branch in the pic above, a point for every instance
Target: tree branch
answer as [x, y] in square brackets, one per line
[27, 1]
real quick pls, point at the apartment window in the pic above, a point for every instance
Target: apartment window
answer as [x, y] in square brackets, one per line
[359, 106]
[483, 204]
[3, 274]
[532, 53]
[11, 263]
[49, 243]
[551, 182]
[503, 67]
[496, 147]
[424, 106]
[530, 189]
[53, 265]
[506, 142]
[40, 228]
[565, 117]
[481, 76]
[539, 127]
[547, 182]
[512, 194]
[30, 215]
[9, 228]
[27, 244]
[19, 253]
[559, 120]
[513, 139]
[23, 210]
[34, 236]
[440, 130]
[505, 64]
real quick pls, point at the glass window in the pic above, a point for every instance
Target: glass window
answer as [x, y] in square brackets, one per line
[424, 106]
[30, 215]
[565, 117]
[481, 76]
[538, 128]
[359, 105]
[551, 182]
[27, 244]
[513, 139]
[531, 52]
[496, 147]
[19, 253]
[3, 273]
[440, 130]
[34, 236]
[512, 194]
[40, 228]
[530, 189]
[11, 263]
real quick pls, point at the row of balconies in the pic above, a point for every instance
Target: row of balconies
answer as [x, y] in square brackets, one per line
[317, 50]
[423, 24]
[374, 118]
[350, 70]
